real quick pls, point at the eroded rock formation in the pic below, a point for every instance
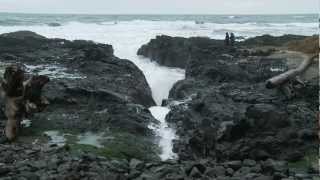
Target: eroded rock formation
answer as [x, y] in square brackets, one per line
[90, 91]
[225, 112]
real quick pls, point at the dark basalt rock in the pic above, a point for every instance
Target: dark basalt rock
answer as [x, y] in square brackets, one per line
[166, 50]
[58, 163]
[91, 90]
[94, 61]
[225, 110]
[174, 51]
[22, 35]
[54, 24]
[178, 51]
[268, 40]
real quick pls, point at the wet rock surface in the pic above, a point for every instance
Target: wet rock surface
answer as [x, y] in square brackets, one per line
[223, 110]
[87, 62]
[90, 90]
[173, 51]
[268, 40]
[178, 51]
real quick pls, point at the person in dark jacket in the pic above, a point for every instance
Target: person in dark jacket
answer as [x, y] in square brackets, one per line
[232, 39]
[227, 39]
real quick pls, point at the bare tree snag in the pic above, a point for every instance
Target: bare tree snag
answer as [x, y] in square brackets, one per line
[22, 98]
[289, 75]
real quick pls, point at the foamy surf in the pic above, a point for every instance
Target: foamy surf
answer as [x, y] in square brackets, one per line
[55, 138]
[52, 71]
[92, 139]
[166, 133]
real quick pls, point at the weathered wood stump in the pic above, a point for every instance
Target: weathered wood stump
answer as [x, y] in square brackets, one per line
[22, 98]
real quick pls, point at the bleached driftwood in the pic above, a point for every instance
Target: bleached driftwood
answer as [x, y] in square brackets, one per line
[283, 78]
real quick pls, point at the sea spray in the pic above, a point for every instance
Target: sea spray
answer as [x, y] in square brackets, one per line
[166, 133]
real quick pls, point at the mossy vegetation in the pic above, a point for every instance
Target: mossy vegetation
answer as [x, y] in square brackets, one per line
[115, 143]
[119, 146]
[128, 146]
[308, 45]
[309, 161]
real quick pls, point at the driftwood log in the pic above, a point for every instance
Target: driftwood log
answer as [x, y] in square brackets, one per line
[22, 98]
[285, 77]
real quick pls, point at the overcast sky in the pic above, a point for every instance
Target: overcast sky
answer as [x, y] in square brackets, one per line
[161, 6]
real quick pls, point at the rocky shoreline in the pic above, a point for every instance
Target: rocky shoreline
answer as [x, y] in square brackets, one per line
[90, 91]
[229, 125]
[223, 110]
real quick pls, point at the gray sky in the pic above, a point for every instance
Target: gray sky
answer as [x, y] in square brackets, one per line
[161, 6]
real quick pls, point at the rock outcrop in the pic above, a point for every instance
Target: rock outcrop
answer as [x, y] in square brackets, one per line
[173, 51]
[268, 40]
[90, 90]
[222, 109]
[177, 51]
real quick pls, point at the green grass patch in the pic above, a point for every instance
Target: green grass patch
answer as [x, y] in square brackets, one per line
[309, 161]
[120, 146]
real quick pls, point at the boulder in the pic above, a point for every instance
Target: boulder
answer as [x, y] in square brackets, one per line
[174, 51]
[267, 116]
[136, 164]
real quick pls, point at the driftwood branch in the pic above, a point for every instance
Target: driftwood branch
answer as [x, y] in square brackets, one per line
[22, 98]
[289, 75]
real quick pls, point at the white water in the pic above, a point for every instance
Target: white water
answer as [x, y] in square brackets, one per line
[127, 36]
[52, 71]
[26, 123]
[90, 138]
[166, 133]
[277, 69]
[55, 137]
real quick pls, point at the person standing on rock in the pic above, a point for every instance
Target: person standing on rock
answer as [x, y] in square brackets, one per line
[227, 39]
[232, 39]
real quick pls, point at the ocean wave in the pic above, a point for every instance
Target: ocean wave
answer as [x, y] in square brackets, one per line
[298, 17]
[144, 30]
[232, 17]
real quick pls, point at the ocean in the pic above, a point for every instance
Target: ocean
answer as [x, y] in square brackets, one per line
[126, 33]
[38, 19]
[212, 25]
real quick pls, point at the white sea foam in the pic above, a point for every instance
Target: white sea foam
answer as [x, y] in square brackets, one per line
[55, 137]
[26, 122]
[53, 71]
[3, 67]
[276, 69]
[90, 138]
[167, 134]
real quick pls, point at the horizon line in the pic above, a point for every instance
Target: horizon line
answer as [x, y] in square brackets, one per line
[156, 14]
